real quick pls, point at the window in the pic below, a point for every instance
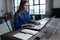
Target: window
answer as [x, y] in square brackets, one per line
[37, 6]
[36, 2]
[36, 9]
[16, 4]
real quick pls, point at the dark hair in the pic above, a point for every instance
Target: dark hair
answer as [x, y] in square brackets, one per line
[21, 7]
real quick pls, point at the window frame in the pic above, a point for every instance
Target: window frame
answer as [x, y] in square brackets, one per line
[39, 7]
[31, 5]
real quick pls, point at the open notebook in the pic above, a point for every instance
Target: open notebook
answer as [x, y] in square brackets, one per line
[22, 36]
[32, 32]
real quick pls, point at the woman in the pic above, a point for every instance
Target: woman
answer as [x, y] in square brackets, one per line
[22, 18]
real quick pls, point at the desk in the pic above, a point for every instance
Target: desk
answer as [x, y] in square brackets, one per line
[9, 36]
[39, 27]
[53, 30]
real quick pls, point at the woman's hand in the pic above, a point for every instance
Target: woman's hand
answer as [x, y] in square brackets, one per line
[27, 25]
[36, 23]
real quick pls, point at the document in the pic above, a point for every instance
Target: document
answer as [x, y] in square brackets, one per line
[22, 36]
[32, 32]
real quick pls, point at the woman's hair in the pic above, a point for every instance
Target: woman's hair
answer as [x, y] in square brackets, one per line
[21, 7]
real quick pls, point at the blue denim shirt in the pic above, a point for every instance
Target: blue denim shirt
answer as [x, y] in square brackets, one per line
[21, 19]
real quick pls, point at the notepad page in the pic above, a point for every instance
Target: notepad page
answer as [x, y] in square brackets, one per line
[29, 31]
[22, 36]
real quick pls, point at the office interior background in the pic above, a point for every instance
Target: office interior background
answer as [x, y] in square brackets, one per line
[38, 9]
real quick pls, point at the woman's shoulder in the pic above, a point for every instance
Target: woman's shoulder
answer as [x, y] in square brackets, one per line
[23, 12]
[16, 15]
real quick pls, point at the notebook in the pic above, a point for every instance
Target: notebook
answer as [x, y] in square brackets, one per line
[32, 32]
[22, 36]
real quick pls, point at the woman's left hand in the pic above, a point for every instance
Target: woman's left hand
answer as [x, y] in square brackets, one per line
[36, 23]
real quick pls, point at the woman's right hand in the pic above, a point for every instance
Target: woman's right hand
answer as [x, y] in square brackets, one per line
[27, 25]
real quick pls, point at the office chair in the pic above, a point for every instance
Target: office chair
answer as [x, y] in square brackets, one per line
[6, 17]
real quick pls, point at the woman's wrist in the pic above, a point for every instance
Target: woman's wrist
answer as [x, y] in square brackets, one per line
[27, 25]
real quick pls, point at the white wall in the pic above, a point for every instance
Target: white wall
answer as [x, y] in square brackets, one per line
[5, 6]
[9, 6]
[53, 4]
[2, 7]
[48, 9]
[56, 4]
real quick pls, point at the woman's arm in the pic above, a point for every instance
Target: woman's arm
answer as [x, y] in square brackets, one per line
[27, 25]
[35, 23]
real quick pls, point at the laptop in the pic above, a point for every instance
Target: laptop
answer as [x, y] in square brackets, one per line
[40, 26]
[36, 27]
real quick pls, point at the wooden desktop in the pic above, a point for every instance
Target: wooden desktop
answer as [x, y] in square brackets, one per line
[8, 36]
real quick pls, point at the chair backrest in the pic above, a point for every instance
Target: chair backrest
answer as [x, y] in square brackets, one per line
[12, 24]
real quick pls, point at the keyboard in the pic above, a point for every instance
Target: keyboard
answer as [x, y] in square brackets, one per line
[36, 27]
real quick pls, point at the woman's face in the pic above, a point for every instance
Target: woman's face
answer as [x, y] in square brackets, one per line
[26, 6]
